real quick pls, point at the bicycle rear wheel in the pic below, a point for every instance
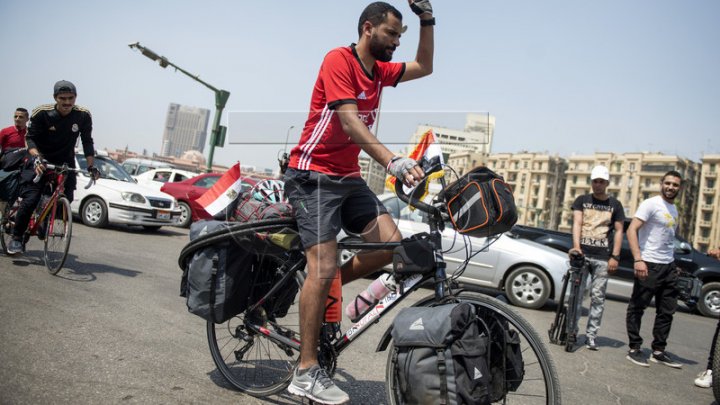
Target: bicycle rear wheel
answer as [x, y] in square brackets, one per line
[251, 362]
[716, 370]
[540, 384]
[59, 233]
[6, 226]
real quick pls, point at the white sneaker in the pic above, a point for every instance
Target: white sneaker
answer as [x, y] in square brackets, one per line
[704, 379]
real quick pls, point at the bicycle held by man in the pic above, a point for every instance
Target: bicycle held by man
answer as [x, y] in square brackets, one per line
[258, 349]
[51, 221]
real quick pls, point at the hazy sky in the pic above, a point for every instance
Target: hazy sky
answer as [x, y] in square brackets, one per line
[566, 77]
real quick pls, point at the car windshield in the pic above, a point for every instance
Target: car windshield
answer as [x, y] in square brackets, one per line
[109, 169]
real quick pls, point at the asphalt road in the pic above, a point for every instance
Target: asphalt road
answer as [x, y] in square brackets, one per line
[111, 328]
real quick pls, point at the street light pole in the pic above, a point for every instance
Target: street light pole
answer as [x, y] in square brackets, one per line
[217, 136]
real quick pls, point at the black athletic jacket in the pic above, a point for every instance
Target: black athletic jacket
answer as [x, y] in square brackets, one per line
[55, 136]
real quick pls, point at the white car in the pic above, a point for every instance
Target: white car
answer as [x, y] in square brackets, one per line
[528, 273]
[117, 199]
[156, 178]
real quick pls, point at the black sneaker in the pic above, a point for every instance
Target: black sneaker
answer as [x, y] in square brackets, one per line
[636, 356]
[15, 246]
[662, 357]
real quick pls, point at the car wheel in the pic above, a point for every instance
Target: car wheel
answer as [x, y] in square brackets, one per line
[185, 215]
[94, 213]
[527, 287]
[709, 303]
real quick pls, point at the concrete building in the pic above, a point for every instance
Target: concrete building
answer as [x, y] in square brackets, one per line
[476, 136]
[707, 214]
[634, 177]
[538, 184]
[185, 129]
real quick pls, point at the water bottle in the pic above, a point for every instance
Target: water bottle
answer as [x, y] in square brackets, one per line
[376, 291]
[333, 304]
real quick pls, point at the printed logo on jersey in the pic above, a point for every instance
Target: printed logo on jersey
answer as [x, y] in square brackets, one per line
[75, 128]
[362, 96]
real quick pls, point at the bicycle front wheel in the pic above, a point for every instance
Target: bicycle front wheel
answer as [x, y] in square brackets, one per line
[57, 239]
[250, 361]
[539, 385]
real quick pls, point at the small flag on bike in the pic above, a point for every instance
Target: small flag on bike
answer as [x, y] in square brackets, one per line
[223, 192]
[430, 150]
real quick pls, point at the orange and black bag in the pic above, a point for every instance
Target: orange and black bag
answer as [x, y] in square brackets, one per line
[481, 203]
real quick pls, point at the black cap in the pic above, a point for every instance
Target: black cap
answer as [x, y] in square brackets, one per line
[64, 86]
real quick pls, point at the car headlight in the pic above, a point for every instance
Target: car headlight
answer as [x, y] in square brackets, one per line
[133, 197]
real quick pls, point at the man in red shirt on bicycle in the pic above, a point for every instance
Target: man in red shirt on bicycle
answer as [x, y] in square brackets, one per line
[14, 136]
[54, 129]
[323, 180]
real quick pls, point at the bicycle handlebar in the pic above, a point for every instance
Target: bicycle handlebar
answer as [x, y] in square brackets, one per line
[62, 168]
[429, 167]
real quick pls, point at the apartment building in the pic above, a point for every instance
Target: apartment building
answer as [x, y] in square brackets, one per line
[707, 214]
[185, 129]
[538, 184]
[634, 177]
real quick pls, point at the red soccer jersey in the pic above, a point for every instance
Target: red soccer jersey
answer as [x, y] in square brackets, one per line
[323, 146]
[10, 137]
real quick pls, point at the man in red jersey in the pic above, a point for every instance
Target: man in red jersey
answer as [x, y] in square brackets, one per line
[323, 180]
[14, 136]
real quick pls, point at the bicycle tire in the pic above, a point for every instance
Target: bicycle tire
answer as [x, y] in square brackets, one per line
[59, 234]
[6, 228]
[540, 384]
[265, 368]
[716, 370]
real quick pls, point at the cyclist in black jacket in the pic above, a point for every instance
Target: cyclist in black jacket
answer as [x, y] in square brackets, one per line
[54, 129]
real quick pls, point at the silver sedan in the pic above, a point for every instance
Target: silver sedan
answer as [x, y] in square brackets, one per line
[528, 273]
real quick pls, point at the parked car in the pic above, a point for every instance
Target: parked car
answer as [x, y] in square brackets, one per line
[136, 166]
[186, 193]
[702, 266]
[528, 273]
[156, 178]
[117, 199]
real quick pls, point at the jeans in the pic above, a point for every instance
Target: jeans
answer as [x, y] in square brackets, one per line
[598, 268]
[660, 284]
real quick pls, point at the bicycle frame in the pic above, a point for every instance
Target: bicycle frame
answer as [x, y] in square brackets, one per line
[48, 209]
[405, 287]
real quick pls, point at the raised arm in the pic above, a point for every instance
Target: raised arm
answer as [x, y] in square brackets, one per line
[423, 63]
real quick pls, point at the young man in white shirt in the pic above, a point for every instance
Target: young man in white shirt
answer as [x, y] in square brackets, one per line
[651, 235]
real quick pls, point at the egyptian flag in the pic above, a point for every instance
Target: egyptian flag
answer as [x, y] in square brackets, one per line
[429, 149]
[225, 190]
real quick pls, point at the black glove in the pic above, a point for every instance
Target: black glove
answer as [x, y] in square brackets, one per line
[420, 7]
[93, 172]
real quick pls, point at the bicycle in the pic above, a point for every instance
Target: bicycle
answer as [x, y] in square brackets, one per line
[52, 219]
[563, 329]
[257, 350]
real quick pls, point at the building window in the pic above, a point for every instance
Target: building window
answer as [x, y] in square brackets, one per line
[710, 183]
[647, 182]
[632, 167]
[574, 179]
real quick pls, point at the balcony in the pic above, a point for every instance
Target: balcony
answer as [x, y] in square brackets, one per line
[702, 239]
[705, 223]
[707, 190]
[706, 207]
[710, 175]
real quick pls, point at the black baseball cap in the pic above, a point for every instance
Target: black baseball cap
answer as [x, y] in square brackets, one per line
[64, 86]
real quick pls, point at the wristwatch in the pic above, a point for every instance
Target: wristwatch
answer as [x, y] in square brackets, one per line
[616, 257]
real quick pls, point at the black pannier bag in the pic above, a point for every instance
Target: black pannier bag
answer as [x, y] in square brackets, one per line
[9, 183]
[217, 278]
[221, 279]
[441, 356]
[415, 255]
[13, 159]
[480, 203]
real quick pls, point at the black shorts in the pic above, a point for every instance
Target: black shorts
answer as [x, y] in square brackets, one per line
[323, 204]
